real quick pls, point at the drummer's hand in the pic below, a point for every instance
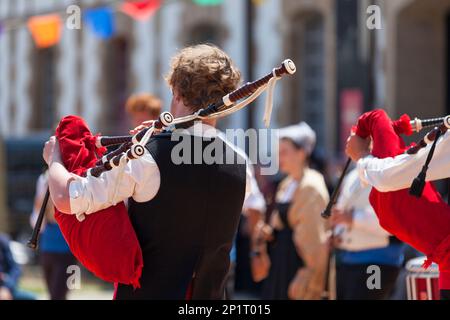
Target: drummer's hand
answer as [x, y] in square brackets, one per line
[142, 126]
[51, 151]
[357, 147]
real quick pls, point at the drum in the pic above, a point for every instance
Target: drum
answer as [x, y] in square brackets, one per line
[422, 284]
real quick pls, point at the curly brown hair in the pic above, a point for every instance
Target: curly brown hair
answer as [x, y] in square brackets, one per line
[201, 75]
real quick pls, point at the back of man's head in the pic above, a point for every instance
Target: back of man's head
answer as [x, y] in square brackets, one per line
[201, 75]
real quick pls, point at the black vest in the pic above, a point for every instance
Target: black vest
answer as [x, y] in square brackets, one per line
[186, 232]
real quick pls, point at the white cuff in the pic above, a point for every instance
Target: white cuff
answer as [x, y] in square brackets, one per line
[254, 202]
[361, 167]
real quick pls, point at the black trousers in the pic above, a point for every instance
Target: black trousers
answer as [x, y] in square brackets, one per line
[351, 282]
[445, 294]
[55, 271]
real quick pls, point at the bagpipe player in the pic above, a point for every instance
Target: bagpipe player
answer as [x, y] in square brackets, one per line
[185, 216]
[428, 224]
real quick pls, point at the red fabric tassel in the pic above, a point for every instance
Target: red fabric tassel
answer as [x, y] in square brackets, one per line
[403, 125]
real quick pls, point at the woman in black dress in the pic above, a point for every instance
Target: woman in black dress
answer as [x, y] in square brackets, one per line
[291, 248]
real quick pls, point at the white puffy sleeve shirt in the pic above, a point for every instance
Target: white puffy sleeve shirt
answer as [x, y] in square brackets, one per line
[392, 174]
[139, 179]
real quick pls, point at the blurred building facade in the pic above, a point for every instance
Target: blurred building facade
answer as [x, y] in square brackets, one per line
[402, 67]
[344, 68]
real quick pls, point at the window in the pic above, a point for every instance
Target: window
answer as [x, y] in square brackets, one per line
[115, 85]
[43, 90]
[309, 40]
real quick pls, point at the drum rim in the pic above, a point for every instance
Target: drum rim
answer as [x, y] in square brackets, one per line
[415, 265]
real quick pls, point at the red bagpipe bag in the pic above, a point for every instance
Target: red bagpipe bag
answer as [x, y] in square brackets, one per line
[105, 241]
[423, 222]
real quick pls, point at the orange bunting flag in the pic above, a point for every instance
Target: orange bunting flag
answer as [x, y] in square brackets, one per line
[45, 30]
[141, 10]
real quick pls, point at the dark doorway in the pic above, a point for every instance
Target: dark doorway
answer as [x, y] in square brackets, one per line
[43, 90]
[310, 91]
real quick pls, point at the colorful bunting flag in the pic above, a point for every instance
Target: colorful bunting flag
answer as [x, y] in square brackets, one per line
[101, 21]
[45, 29]
[208, 2]
[141, 10]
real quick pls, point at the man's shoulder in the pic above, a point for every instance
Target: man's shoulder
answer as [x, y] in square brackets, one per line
[164, 137]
